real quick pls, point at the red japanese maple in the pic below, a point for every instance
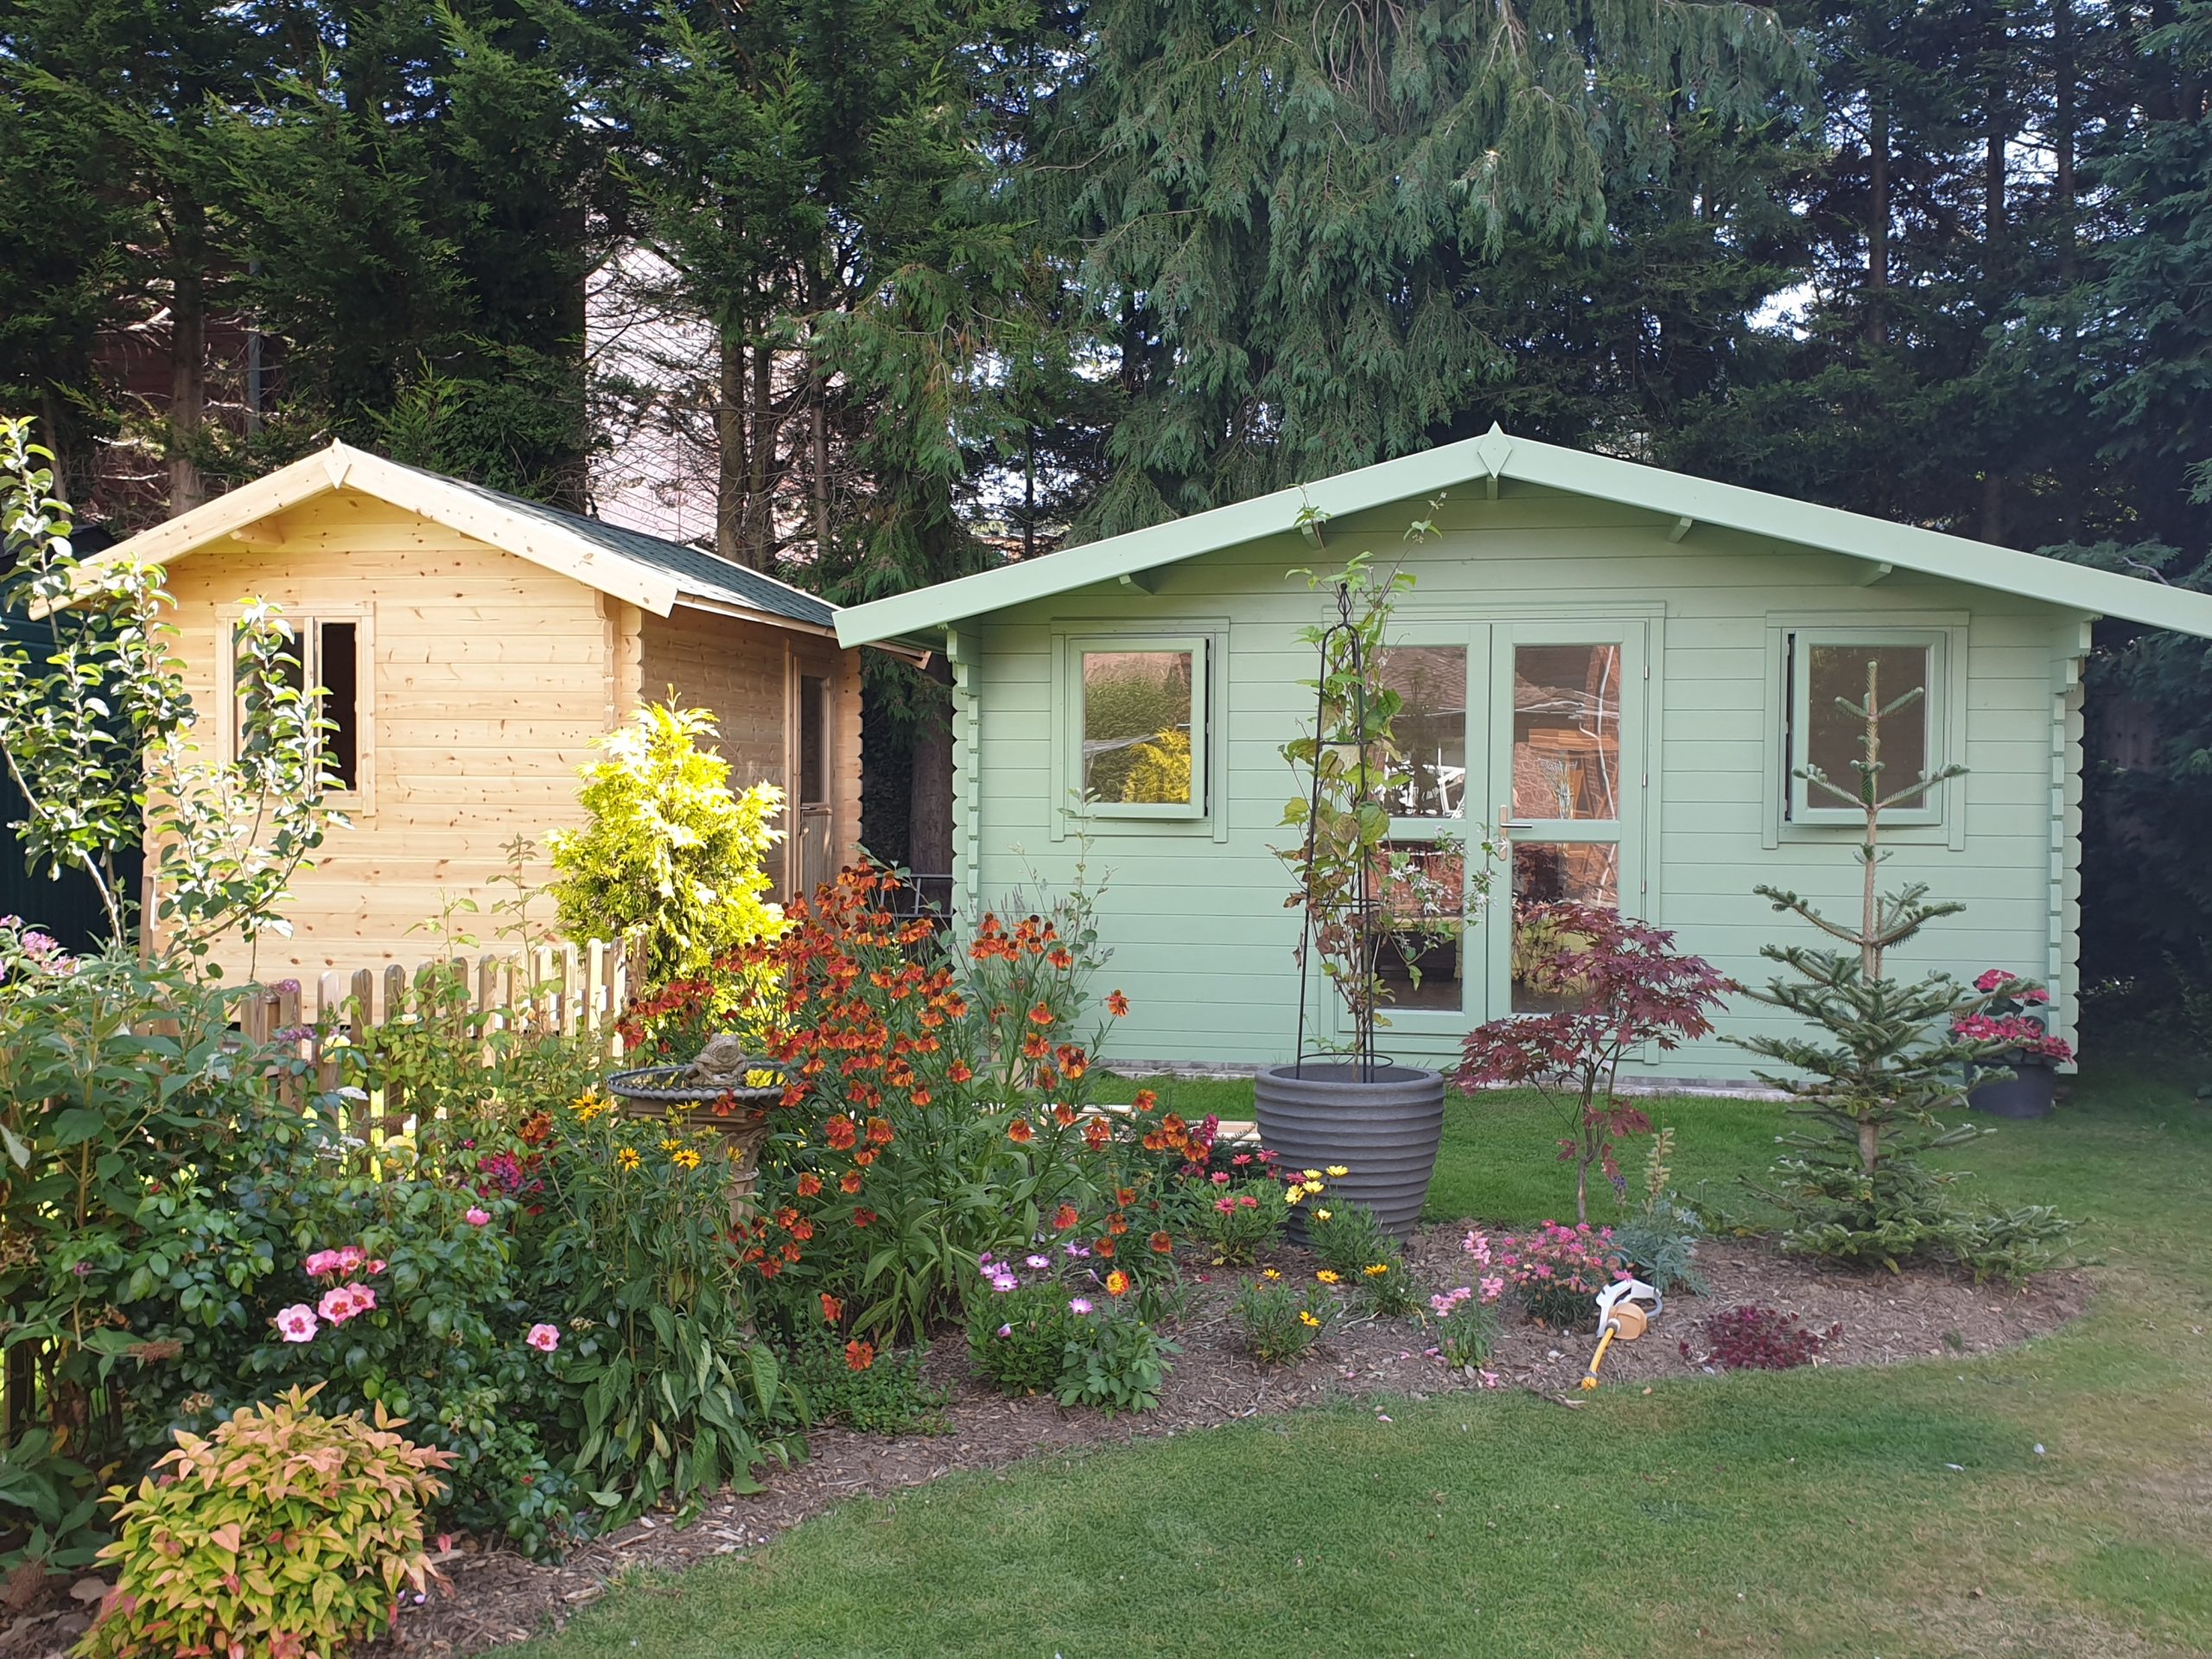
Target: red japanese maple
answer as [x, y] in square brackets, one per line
[1626, 986]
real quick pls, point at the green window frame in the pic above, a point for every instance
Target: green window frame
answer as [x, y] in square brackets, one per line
[1799, 804]
[1199, 648]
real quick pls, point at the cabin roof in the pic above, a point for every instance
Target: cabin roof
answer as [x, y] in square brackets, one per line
[655, 575]
[1678, 501]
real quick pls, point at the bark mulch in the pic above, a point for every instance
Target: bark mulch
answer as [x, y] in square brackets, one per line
[496, 1598]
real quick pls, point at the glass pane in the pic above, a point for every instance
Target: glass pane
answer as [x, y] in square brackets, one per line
[1423, 890]
[1567, 732]
[341, 697]
[1136, 726]
[813, 740]
[1833, 740]
[1431, 728]
[1545, 873]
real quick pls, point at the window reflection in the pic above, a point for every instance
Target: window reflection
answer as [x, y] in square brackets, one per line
[1546, 873]
[1136, 726]
[1567, 732]
[1833, 740]
[1422, 892]
[1431, 728]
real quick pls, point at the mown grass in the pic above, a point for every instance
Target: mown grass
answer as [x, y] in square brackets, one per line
[1813, 1513]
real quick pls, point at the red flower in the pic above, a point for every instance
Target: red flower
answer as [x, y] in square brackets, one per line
[1161, 1244]
[1118, 1283]
[1019, 1131]
[862, 1218]
[1064, 1217]
[849, 1181]
[879, 1131]
[832, 1309]
[1117, 1224]
[961, 1072]
[860, 1355]
[840, 1133]
[810, 1185]
[1117, 1005]
[1146, 1100]
[1040, 1015]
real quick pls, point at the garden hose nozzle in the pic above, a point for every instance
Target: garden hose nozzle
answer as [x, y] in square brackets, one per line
[1619, 1314]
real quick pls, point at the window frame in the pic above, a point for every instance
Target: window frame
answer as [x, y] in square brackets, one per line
[1135, 816]
[306, 622]
[1795, 804]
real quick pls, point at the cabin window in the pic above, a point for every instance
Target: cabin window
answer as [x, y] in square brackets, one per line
[1430, 727]
[1140, 727]
[1822, 669]
[330, 653]
[813, 740]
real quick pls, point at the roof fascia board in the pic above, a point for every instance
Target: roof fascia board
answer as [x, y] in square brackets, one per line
[342, 467]
[1496, 455]
[1903, 547]
[1140, 551]
[717, 607]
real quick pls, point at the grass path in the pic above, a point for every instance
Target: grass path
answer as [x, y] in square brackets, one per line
[1807, 1514]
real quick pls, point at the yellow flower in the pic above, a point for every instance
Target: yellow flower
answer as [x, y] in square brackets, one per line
[757, 1079]
[1292, 1195]
[1312, 1187]
[1320, 1215]
[1269, 1273]
[1327, 1275]
[1304, 1318]
[1311, 1174]
[1377, 1270]
[627, 1158]
[588, 1106]
[686, 1159]
[669, 1143]
[1335, 1169]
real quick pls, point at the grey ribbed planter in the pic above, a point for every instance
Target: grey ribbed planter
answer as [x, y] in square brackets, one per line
[1384, 1129]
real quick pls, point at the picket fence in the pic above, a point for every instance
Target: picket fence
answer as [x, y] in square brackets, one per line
[563, 989]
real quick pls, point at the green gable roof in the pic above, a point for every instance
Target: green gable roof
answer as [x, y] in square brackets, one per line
[1495, 455]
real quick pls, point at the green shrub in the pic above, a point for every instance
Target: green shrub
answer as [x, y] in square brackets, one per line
[1279, 1318]
[1658, 1243]
[873, 1393]
[1117, 1363]
[667, 849]
[1018, 1339]
[1346, 1237]
[287, 1533]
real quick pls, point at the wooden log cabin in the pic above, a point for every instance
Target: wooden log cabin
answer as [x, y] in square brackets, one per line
[472, 646]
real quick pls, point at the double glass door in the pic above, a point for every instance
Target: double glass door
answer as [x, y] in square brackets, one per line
[1530, 733]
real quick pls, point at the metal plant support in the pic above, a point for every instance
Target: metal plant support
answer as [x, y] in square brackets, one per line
[1365, 906]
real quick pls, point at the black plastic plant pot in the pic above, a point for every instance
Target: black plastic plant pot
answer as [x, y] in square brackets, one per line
[1382, 1127]
[2031, 1091]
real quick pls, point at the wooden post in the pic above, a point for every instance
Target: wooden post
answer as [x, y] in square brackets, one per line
[360, 1016]
[595, 1018]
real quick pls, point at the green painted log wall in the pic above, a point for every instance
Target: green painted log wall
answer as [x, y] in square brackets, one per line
[1195, 914]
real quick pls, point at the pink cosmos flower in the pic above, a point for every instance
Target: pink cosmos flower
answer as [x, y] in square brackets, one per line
[544, 1338]
[1219, 1178]
[295, 1323]
[1227, 1206]
[476, 1218]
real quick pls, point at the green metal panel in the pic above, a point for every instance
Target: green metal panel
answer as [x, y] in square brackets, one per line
[1684, 508]
[1195, 912]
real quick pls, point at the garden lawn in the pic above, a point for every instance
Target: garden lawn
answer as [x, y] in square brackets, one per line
[2053, 1501]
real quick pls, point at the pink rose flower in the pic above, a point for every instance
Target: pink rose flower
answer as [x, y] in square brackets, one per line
[544, 1338]
[295, 1323]
[476, 1218]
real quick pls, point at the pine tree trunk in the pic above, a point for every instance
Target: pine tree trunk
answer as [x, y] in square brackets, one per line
[187, 409]
[760, 520]
[929, 808]
[730, 468]
[2062, 137]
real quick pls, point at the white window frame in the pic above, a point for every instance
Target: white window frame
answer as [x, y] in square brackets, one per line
[1798, 805]
[306, 624]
